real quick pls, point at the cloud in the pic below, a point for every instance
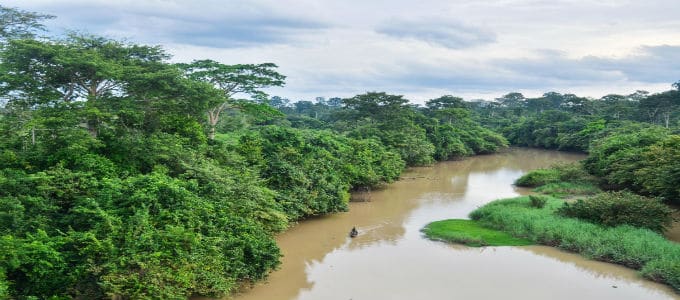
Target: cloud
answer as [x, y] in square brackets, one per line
[416, 48]
[651, 68]
[449, 34]
[231, 33]
[218, 24]
[651, 64]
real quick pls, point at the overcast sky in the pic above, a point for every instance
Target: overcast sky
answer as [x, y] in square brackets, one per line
[421, 49]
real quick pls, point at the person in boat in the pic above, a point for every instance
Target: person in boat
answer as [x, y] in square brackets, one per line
[353, 232]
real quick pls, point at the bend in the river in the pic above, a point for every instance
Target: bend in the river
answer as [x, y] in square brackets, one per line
[390, 259]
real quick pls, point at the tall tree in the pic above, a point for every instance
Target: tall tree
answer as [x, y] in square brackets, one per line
[661, 105]
[231, 80]
[20, 24]
[448, 108]
[378, 106]
[81, 71]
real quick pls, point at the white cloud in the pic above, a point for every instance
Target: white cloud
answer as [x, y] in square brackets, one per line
[420, 49]
[449, 34]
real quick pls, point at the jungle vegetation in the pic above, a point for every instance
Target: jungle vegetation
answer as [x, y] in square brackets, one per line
[125, 175]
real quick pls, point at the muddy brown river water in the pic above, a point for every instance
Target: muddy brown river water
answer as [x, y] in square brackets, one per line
[390, 259]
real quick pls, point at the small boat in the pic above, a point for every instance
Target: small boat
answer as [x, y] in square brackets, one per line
[353, 232]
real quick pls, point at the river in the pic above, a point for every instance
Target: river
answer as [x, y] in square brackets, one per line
[390, 259]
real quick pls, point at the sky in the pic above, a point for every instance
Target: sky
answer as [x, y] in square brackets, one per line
[420, 49]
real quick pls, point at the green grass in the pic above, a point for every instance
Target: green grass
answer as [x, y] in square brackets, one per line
[656, 257]
[568, 189]
[538, 177]
[470, 233]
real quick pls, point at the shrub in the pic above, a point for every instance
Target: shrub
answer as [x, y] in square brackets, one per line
[620, 208]
[538, 201]
[572, 172]
[561, 189]
[538, 177]
[655, 256]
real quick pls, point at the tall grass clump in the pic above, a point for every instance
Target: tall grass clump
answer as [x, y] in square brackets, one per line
[621, 208]
[562, 189]
[560, 173]
[638, 248]
[538, 201]
[538, 177]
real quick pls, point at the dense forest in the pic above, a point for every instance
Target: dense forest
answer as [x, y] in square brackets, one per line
[125, 175]
[632, 141]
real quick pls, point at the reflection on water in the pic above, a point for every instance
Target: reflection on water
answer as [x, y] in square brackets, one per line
[391, 260]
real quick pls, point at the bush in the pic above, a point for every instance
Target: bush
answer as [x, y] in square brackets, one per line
[538, 201]
[538, 177]
[638, 248]
[620, 208]
[561, 189]
[572, 172]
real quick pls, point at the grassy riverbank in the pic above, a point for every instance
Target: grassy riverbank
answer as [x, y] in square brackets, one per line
[470, 233]
[645, 250]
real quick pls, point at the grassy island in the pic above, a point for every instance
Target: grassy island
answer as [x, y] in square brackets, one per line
[470, 233]
[642, 249]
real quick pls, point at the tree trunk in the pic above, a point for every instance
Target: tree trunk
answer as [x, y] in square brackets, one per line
[92, 128]
[212, 122]
[214, 118]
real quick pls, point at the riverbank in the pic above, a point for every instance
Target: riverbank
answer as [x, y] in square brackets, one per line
[321, 262]
[657, 258]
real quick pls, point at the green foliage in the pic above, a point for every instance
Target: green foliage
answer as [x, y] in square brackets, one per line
[470, 233]
[390, 120]
[538, 177]
[311, 171]
[664, 270]
[568, 189]
[572, 172]
[634, 247]
[560, 180]
[20, 24]
[538, 201]
[572, 123]
[659, 174]
[115, 182]
[441, 131]
[620, 208]
[644, 160]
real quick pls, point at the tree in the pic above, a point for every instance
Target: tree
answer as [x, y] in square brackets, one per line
[380, 106]
[83, 72]
[661, 105]
[390, 119]
[231, 80]
[513, 102]
[279, 102]
[448, 108]
[20, 24]
[614, 105]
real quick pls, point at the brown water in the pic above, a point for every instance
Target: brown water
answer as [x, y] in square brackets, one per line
[390, 259]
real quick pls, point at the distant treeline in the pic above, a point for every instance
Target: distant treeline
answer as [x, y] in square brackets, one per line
[632, 140]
